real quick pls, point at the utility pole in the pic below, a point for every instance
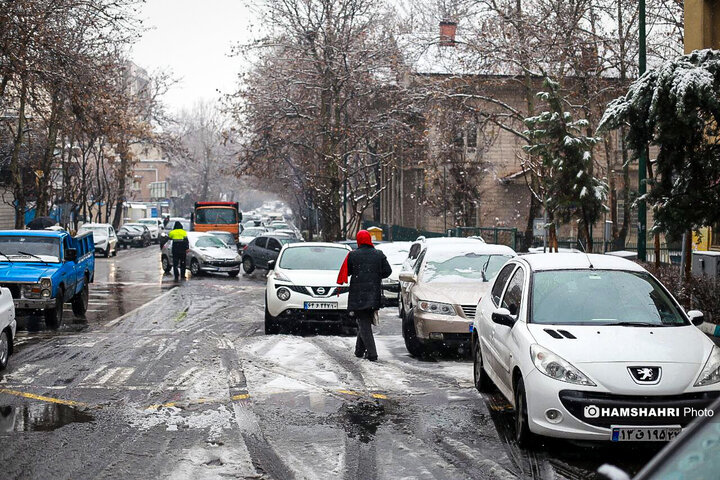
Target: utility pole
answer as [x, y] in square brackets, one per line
[345, 189]
[642, 166]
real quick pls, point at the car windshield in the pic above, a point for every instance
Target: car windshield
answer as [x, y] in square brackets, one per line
[396, 254]
[601, 297]
[286, 240]
[209, 241]
[462, 267]
[97, 231]
[215, 216]
[149, 221]
[313, 258]
[227, 238]
[48, 248]
[130, 229]
[252, 232]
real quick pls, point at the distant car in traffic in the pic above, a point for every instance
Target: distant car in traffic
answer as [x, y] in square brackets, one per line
[261, 250]
[134, 235]
[249, 234]
[104, 237]
[396, 253]
[207, 254]
[8, 326]
[302, 288]
[444, 288]
[592, 347]
[289, 232]
[155, 226]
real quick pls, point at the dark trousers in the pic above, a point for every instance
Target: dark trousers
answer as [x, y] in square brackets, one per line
[179, 259]
[365, 343]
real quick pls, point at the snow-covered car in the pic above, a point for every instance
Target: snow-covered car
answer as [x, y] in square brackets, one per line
[8, 326]
[592, 347]
[302, 287]
[443, 292]
[396, 253]
[104, 237]
[155, 225]
[249, 234]
[207, 254]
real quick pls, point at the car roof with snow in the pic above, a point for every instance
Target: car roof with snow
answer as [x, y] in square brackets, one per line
[474, 247]
[317, 244]
[448, 240]
[578, 261]
[89, 225]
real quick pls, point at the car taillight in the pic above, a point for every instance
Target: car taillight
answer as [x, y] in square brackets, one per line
[244, 248]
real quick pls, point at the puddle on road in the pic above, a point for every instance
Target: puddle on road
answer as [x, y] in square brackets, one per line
[40, 417]
[362, 419]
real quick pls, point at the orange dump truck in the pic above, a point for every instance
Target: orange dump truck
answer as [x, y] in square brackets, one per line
[214, 216]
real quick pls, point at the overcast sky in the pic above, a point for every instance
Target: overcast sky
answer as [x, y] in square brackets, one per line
[192, 39]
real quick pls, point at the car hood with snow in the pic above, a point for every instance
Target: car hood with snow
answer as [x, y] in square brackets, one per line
[467, 293]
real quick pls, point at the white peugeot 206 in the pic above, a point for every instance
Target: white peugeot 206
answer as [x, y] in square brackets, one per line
[302, 288]
[592, 347]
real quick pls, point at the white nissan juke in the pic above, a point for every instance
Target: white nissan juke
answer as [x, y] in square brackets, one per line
[302, 287]
[592, 347]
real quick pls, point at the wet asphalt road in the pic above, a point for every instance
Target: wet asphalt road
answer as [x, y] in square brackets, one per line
[179, 381]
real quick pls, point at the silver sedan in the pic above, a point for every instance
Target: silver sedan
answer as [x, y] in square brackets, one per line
[207, 254]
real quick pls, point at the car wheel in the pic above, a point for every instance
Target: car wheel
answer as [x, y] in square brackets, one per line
[480, 376]
[248, 265]
[80, 301]
[54, 316]
[234, 274]
[194, 267]
[412, 343]
[165, 264]
[4, 349]
[523, 436]
[271, 326]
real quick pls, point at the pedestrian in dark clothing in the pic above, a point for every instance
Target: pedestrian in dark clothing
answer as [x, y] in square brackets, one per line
[166, 220]
[180, 247]
[366, 268]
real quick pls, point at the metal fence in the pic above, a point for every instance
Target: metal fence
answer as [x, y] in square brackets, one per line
[397, 233]
[497, 235]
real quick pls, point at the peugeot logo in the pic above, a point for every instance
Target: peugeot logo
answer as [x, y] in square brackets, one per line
[321, 290]
[645, 375]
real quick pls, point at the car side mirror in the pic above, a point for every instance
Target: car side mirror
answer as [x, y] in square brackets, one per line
[71, 254]
[502, 316]
[407, 277]
[271, 265]
[696, 317]
[276, 249]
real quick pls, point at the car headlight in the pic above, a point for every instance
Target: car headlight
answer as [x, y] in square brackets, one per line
[710, 374]
[33, 290]
[436, 307]
[555, 367]
[238, 258]
[204, 258]
[388, 281]
[46, 282]
[281, 276]
[283, 294]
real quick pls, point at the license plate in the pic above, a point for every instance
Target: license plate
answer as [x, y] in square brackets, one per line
[226, 269]
[321, 305]
[645, 434]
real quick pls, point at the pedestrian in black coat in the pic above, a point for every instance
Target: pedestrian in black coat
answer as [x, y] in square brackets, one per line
[366, 268]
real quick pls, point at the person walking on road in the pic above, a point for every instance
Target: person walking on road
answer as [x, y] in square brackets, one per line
[180, 247]
[366, 268]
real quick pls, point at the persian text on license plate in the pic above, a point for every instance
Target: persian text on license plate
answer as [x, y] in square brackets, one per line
[321, 305]
[645, 434]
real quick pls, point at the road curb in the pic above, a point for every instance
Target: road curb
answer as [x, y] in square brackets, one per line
[710, 329]
[114, 322]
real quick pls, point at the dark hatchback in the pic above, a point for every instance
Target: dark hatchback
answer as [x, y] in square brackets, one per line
[133, 234]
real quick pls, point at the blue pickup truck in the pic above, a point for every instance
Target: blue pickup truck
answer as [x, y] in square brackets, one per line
[45, 269]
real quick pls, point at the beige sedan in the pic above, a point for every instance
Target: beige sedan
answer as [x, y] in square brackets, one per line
[444, 289]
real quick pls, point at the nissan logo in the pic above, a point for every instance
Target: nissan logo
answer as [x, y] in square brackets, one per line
[321, 291]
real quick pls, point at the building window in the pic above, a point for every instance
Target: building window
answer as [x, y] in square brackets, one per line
[715, 235]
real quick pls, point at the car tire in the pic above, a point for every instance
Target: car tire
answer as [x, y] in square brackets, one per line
[271, 325]
[80, 301]
[480, 377]
[412, 343]
[248, 265]
[523, 436]
[194, 267]
[234, 274]
[54, 316]
[165, 262]
[4, 349]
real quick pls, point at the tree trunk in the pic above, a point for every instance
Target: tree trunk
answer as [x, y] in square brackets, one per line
[533, 212]
[45, 180]
[123, 172]
[15, 170]
[688, 255]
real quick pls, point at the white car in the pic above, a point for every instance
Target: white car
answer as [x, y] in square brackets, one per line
[396, 253]
[104, 237]
[302, 287]
[155, 225]
[8, 326]
[592, 347]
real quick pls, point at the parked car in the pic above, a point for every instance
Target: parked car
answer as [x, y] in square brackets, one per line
[8, 326]
[353, 243]
[155, 225]
[592, 347]
[261, 250]
[106, 241]
[414, 253]
[207, 254]
[249, 234]
[301, 287]
[133, 234]
[443, 292]
[44, 270]
[396, 253]
[227, 238]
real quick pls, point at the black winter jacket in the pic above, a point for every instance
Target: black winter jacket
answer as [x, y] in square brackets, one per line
[366, 269]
